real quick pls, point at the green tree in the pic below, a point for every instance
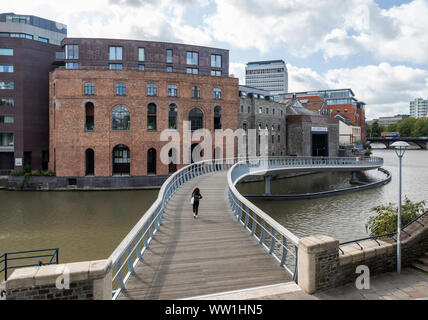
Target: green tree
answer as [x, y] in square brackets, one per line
[385, 220]
[376, 130]
[391, 127]
[406, 126]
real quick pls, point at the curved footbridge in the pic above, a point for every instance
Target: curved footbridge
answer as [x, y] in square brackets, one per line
[233, 245]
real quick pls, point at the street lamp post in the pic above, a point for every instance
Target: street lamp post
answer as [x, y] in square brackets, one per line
[400, 148]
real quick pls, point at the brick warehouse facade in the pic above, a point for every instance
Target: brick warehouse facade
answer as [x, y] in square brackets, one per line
[70, 138]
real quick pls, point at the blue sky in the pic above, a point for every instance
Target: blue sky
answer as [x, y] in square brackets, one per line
[379, 48]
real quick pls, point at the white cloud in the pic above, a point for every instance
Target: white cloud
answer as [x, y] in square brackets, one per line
[238, 71]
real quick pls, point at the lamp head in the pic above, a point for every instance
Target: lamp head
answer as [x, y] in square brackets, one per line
[400, 147]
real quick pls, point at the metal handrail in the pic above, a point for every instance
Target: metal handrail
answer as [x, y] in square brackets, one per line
[390, 235]
[132, 248]
[5, 258]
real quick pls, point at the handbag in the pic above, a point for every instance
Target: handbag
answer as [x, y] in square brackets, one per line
[192, 200]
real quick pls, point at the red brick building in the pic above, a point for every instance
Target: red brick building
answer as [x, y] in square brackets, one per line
[108, 122]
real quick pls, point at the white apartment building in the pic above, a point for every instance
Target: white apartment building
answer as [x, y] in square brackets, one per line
[270, 75]
[419, 108]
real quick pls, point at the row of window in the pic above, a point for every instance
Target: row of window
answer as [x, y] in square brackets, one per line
[281, 113]
[265, 71]
[6, 85]
[121, 118]
[6, 139]
[244, 126]
[7, 102]
[338, 110]
[89, 90]
[6, 119]
[22, 35]
[6, 68]
[115, 53]
[6, 52]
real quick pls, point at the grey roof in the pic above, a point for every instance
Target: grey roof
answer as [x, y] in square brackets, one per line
[295, 107]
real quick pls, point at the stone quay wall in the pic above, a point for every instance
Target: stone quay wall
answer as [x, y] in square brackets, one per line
[322, 265]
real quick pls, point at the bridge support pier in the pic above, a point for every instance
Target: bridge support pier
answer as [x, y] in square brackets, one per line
[354, 179]
[267, 185]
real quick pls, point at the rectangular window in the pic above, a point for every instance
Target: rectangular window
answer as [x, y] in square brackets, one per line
[89, 89]
[120, 89]
[44, 40]
[168, 56]
[6, 119]
[6, 68]
[6, 102]
[216, 61]
[249, 109]
[6, 52]
[192, 58]
[260, 110]
[6, 85]
[6, 139]
[267, 110]
[216, 73]
[217, 93]
[115, 53]
[279, 139]
[141, 67]
[192, 70]
[172, 90]
[71, 51]
[141, 54]
[168, 69]
[152, 90]
[115, 66]
[71, 65]
[196, 92]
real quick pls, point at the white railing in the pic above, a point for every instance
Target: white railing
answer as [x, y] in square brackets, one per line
[272, 236]
[267, 231]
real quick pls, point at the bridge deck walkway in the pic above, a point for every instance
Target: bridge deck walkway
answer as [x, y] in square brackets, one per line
[192, 257]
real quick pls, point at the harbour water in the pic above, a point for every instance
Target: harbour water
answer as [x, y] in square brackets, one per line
[89, 225]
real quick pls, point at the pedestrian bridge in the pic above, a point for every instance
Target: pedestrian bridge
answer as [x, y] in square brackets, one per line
[233, 245]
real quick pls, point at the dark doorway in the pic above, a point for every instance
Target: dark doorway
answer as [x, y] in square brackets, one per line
[121, 160]
[27, 160]
[172, 167]
[151, 161]
[6, 162]
[45, 160]
[90, 162]
[196, 119]
[320, 144]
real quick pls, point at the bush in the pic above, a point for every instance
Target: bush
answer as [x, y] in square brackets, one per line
[16, 173]
[385, 221]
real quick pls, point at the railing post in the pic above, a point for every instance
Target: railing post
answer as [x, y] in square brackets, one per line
[272, 243]
[5, 266]
[240, 209]
[262, 234]
[253, 231]
[138, 239]
[144, 235]
[247, 218]
[284, 251]
[119, 274]
[296, 263]
[129, 259]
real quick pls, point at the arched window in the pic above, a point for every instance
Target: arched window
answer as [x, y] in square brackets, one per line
[120, 118]
[90, 162]
[242, 108]
[244, 126]
[151, 161]
[172, 154]
[89, 116]
[121, 160]
[151, 116]
[217, 118]
[172, 116]
[196, 119]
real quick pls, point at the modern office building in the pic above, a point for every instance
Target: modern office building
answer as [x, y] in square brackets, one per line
[339, 101]
[419, 108]
[112, 99]
[27, 51]
[271, 76]
[384, 121]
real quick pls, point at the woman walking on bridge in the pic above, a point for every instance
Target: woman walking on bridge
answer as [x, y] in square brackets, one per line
[196, 196]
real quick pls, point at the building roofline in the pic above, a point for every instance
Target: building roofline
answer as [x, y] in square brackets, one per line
[136, 40]
[265, 62]
[325, 90]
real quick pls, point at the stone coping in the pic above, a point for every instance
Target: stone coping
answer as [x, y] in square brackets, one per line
[48, 275]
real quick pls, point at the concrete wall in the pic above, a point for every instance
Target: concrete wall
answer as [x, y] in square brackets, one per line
[72, 281]
[321, 265]
[83, 183]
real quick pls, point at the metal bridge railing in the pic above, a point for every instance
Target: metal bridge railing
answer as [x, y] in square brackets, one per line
[131, 250]
[8, 259]
[386, 235]
[270, 234]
